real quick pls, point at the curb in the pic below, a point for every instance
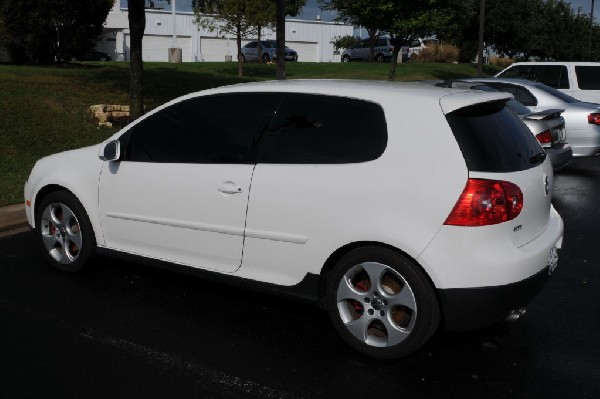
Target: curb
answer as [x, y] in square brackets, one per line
[12, 217]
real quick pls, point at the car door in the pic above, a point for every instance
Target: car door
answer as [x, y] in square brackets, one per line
[180, 191]
[251, 51]
[312, 177]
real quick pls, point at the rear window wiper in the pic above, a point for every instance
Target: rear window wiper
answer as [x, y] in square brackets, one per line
[538, 158]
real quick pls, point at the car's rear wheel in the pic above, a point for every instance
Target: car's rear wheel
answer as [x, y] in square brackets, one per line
[345, 58]
[64, 231]
[381, 303]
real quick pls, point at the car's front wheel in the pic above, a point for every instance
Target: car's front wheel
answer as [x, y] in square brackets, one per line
[381, 303]
[346, 58]
[64, 231]
[266, 58]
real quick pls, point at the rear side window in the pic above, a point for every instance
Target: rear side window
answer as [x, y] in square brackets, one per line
[492, 138]
[318, 129]
[588, 77]
[552, 75]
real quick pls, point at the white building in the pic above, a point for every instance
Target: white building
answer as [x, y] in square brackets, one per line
[310, 39]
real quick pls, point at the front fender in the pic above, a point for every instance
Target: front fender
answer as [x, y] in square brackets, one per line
[77, 171]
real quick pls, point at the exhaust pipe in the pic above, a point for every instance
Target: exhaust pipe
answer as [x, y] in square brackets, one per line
[516, 314]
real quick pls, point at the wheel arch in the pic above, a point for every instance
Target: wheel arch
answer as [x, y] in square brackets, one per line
[334, 258]
[54, 187]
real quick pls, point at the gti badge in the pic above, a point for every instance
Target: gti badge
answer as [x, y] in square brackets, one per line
[546, 185]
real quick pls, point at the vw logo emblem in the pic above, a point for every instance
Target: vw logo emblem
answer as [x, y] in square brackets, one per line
[546, 185]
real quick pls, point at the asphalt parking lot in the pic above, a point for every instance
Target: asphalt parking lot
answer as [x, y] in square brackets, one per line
[120, 329]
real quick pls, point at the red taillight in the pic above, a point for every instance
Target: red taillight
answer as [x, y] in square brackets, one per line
[544, 137]
[486, 202]
[594, 119]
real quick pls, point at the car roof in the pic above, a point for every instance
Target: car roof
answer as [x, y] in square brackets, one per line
[586, 63]
[449, 99]
[518, 81]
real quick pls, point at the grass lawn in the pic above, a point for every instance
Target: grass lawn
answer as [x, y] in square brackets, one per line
[44, 110]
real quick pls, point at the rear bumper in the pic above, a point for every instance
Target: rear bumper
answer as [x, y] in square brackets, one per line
[560, 156]
[472, 308]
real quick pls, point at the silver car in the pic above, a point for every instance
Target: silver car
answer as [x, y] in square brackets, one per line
[361, 50]
[547, 126]
[269, 51]
[582, 120]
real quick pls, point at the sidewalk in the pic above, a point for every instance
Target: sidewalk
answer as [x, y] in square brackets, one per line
[12, 217]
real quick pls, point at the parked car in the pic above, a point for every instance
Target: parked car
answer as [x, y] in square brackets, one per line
[582, 120]
[413, 47]
[269, 51]
[360, 51]
[580, 80]
[547, 126]
[92, 55]
[272, 185]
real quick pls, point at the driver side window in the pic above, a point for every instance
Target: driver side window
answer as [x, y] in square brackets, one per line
[208, 129]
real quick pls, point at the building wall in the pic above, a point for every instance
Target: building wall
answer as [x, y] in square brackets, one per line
[311, 39]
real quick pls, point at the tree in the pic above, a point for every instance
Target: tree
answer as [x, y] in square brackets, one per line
[342, 42]
[137, 24]
[242, 18]
[547, 29]
[406, 19]
[366, 13]
[401, 20]
[227, 16]
[48, 31]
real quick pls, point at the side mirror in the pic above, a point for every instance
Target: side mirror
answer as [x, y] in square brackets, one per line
[111, 151]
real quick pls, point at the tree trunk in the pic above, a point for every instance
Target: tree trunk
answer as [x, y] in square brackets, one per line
[238, 43]
[394, 61]
[372, 34]
[280, 32]
[137, 24]
[259, 48]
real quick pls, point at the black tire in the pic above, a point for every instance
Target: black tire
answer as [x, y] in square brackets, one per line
[266, 58]
[388, 318]
[346, 58]
[64, 231]
[379, 58]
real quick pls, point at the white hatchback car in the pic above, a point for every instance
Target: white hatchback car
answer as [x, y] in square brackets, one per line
[394, 226]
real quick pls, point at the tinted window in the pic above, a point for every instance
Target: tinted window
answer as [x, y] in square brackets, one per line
[211, 129]
[521, 94]
[588, 77]
[552, 75]
[492, 138]
[325, 129]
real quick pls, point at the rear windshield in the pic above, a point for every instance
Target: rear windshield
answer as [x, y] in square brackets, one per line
[588, 77]
[556, 93]
[493, 138]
